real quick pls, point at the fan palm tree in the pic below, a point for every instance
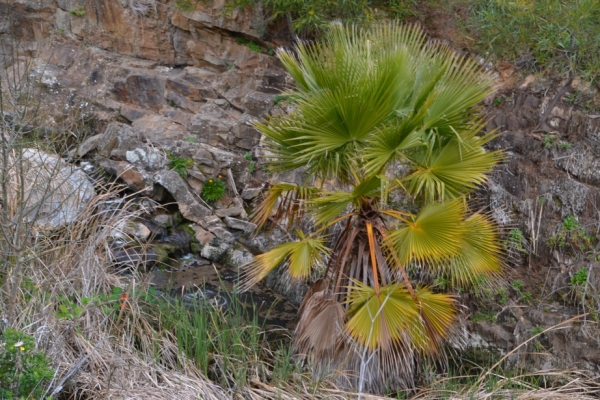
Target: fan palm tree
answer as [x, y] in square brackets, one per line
[386, 125]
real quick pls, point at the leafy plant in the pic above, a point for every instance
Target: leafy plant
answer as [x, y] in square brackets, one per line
[549, 141]
[191, 139]
[517, 241]
[367, 100]
[498, 101]
[537, 34]
[573, 234]
[251, 45]
[580, 278]
[24, 371]
[180, 164]
[248, 156]
[485, 316]
[185, 5]
[213, 190]
[78, 12]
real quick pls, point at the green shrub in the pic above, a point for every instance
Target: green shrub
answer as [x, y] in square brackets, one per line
[213, 190]
[78, 12]
[580, 278]
[180, 164]
[24, 372]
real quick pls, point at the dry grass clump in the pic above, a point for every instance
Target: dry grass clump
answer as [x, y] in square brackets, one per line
[65, 278]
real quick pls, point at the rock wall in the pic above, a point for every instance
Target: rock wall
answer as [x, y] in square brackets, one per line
[165, 84]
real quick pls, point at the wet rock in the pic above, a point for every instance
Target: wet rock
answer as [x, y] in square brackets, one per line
[240, 225]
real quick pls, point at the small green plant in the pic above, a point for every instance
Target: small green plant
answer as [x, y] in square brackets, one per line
[549, 141]
[180, 164]
[580, 278]
[573, 234]
[517, 284]
[251, 45]
[213, 190]
[185, 5]
[442, 283]
[498, 101]
[60, 31]
[270, 51]
[485, 316]
[564, 146]
[516, 240]
[252, 167]
[191, 139]
[78, 12]
[24, 371]
[537, 330]
[248, 156]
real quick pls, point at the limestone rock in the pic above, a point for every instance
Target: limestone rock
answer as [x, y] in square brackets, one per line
[55, 192]
[239, 224]
[188, 203]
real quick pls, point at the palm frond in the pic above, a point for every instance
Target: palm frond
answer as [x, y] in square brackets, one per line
[290, 201]
[479, 254]
[379, 319]
[320, 328]
[301, 256]
[452, 169]
[433, 236]
[437, 312]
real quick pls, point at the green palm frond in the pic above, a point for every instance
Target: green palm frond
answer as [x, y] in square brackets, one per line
[479, 254]
[451, 170]
[301, 257]
[380, 319]
[437, 312]
[433, 236]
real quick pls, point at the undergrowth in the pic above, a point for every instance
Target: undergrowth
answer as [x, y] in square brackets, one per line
[536, 34]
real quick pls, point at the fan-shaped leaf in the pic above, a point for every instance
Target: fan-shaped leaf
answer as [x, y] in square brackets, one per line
[301, 255]
[380, 319]
[452, 169]
[433, 236]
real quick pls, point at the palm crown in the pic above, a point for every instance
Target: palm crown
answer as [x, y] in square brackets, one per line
[379, 114]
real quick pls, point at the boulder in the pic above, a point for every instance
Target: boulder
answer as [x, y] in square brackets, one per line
[189, 205]
[55, 192]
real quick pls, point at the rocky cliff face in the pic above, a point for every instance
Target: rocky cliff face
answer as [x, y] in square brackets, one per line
[160, 82]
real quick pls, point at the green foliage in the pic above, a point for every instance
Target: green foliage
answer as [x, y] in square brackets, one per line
[525, 297]
[498, 101]
[251, 45]
[310, 17]
[517, 241]
[228, 344]
[485, 316]
[549, 141]
[213, 190]
[537, 33]
[580, 278]
[537, 330]
[365, 102]
[185, 5]
[78, 12]
[572, 234]
[180, 164]
[24, 371]
[191, 139]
